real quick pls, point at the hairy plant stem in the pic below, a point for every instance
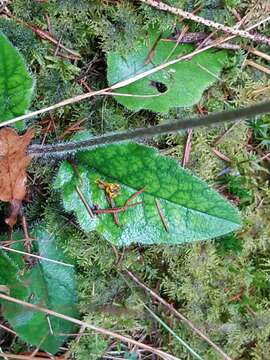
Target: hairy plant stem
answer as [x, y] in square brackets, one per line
[62, 149]
[186, 15]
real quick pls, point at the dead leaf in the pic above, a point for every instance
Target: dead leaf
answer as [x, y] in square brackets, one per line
[13, 163]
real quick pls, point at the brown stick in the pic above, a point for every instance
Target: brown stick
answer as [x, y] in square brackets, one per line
[115, 210]
[186, 15]
[46, 36]
[25, 357]
[259, 67]
[177, 314]
[8, 329]
[161, 215]
[87, 325]
[221, 156]
[133, 196]
[84, 201]
[187, 148]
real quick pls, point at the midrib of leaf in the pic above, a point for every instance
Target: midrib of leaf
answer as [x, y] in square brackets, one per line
[113, 179]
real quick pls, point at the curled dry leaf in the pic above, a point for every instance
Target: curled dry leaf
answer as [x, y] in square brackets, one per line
[13, 163]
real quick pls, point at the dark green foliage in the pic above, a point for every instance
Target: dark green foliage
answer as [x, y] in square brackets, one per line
[16, 83]
[44, 283]
[174, 209]
[237, 186]
[261, 131]
[179, 85]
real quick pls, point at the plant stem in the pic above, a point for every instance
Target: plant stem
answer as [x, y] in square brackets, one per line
[186, 15]
[171, 127]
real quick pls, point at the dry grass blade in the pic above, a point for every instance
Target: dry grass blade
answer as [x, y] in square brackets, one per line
[26, 357]
[94, 328]
[35, 256]
[258, 53]
[259, 67]
[7, 329]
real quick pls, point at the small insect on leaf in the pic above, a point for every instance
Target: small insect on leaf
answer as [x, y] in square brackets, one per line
[111, 190]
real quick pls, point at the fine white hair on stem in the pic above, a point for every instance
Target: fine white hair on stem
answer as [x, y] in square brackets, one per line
[61, 149]
[209, 23]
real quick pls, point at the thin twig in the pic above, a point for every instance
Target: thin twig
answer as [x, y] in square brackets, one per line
[161, 215]
[24, 357]
[8, 242]
[115, 210]
[258, 53]
[259, 67]
[35, 256]
[177, 314]
[8, 329]
[133, 196]
[178, 40]
[187, 148]
[221, 156]
[72, 128]
[224, 133]
[87, 325]
[229, 30]
[28, 240]
[46, 36]
[123, 83]
[84, 201]
[111, 203]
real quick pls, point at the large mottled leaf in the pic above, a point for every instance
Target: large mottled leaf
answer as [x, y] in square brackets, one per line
[176, 206]
[16, 85]
[178, 85]
[46, 284]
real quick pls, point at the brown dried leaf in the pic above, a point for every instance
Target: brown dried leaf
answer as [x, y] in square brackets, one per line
[13, 163]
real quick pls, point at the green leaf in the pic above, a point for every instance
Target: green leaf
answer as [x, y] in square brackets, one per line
[190, 210]
[184, 81]
[46, 284]
[9, 270]
[16, 85]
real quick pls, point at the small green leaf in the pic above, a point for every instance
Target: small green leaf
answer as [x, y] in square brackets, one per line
[178, 85]
[46, 284]
[16, 85]
[176, 206]
[8, 268]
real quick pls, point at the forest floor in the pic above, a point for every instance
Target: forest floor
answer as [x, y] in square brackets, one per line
[222, 285]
